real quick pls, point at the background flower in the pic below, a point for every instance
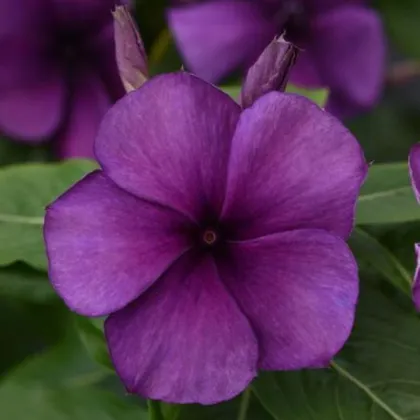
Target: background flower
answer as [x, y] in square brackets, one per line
[342, 40]
[214, 237]
[57, 74]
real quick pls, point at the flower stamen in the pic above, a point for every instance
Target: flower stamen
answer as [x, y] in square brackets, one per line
[209, 237]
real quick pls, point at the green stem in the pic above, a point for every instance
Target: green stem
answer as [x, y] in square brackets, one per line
[25, 220]
[155, 411]
[243, 408]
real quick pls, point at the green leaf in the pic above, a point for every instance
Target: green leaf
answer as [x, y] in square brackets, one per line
[171, 411]
[387, 196]
[28, 327]
[399, 239]
[63, 384]
[92, 336]
[319, 96]
[155, 410]
[376, 375]
[387, 132]
[370, 252]
[402, 24]
[25, 191]
[19, 281]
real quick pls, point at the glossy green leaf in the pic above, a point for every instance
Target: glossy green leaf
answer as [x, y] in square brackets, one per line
[375, 377]
[28, 327]
[399, 239]
[371, 254]
[387, 196]
[25, 191]
[63, 384]
[92, 336]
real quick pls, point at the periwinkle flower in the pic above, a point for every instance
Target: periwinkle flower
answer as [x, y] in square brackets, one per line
[414, 168]
[213, 237]
[58, 74]
[342, 41]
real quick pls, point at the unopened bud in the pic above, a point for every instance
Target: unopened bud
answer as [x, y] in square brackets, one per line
[270, 72]
[130, 53]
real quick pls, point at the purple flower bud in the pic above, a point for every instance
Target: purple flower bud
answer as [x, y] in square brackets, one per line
[130, 52]
[270, 72]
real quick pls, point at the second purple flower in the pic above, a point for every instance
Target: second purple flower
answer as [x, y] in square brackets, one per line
[342, 41]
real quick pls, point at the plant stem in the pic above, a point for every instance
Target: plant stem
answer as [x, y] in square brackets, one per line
[243, 408]
[155, 411]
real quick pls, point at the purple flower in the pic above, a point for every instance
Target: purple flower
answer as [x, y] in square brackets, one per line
[58, 74]
[342, 40]
[414, 168]
[214, 238]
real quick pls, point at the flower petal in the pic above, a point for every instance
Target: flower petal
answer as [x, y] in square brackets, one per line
[169, 141]
[33, 112]
[185, 340]
[299, 290]
[414, 168]
[89, 103]
[216, 37]
[105, 247]
[292, 166]
[350, 47]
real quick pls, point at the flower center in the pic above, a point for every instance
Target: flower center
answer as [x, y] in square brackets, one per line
[210, 237]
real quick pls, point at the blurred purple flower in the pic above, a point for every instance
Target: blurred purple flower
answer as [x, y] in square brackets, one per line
[58, 74]
[414, 167]
[214, 237]
[342, 40]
